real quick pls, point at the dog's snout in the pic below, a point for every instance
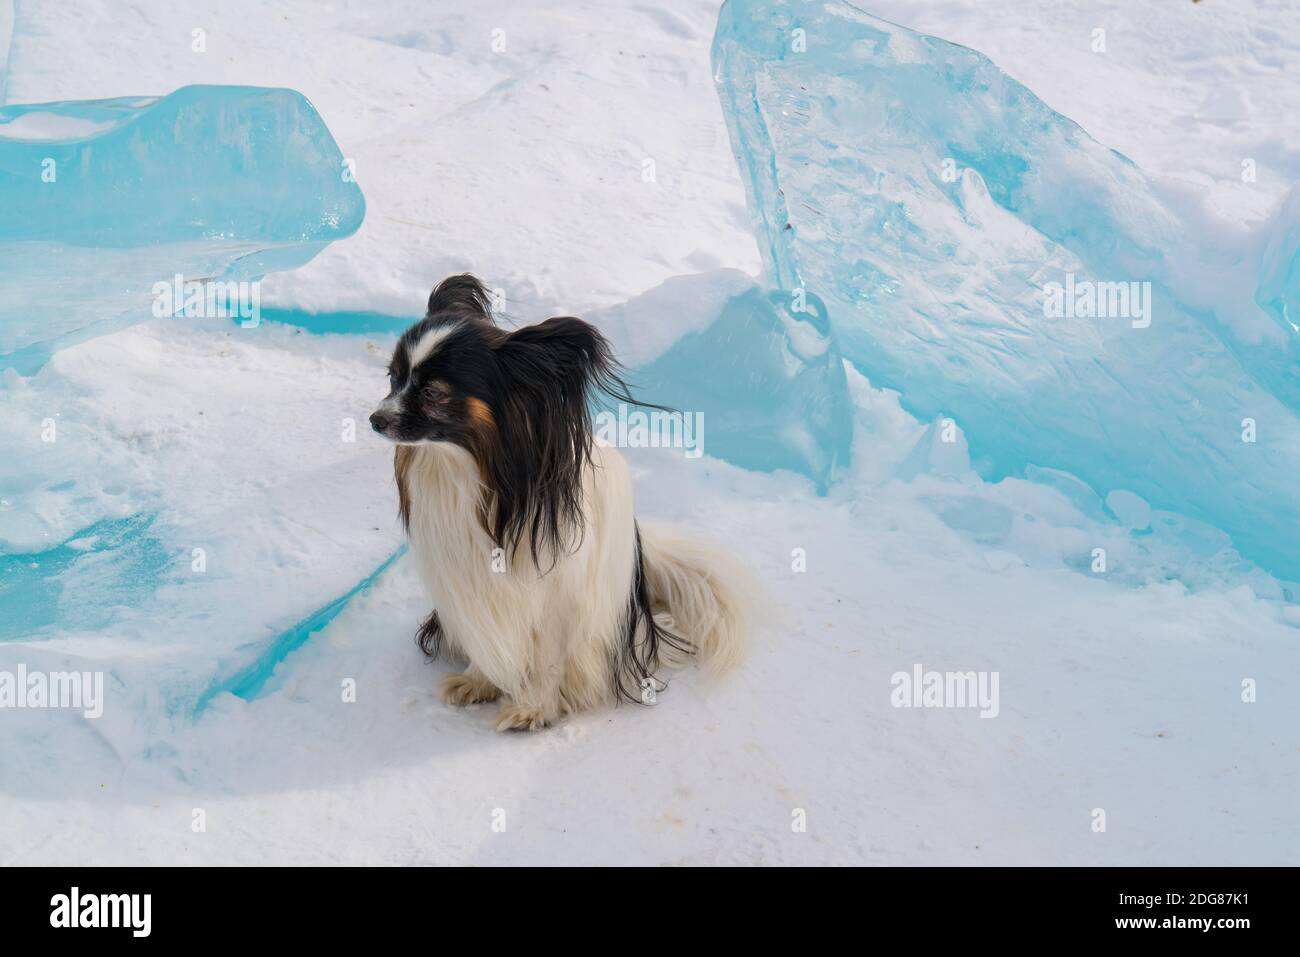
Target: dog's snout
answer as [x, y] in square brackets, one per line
[379, 421]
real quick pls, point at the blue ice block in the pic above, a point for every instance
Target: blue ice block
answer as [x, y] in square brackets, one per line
[766, 380]
[957, 228]
[756, 370]
[101, 200]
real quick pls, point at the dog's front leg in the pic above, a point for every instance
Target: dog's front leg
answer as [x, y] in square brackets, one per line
[468, 687]
[538, 702]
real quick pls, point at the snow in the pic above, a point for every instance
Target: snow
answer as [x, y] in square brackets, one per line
[50, 126]
[1119, 690]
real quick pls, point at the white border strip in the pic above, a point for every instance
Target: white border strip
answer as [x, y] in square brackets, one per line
[8, 15]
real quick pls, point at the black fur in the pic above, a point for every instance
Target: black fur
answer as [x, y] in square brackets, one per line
[550, 373]
[637, 659]
[462, 294]
[430, 636]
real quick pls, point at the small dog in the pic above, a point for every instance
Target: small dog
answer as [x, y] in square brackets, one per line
[522, 526]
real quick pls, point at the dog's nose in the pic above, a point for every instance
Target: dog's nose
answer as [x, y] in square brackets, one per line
[379, 421]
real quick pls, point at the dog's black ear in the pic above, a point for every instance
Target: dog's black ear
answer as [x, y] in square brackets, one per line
[462, 294]
[566, 356]
[548, 375]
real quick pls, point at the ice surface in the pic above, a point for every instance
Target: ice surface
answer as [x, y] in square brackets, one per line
[930, 200]
[101, 200]
[119, 561]
[188, 543]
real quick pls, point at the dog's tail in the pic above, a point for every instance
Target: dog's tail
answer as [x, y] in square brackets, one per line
[700, 594]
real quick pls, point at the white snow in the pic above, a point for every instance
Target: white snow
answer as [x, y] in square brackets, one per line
[1119, 691]
[50, 126]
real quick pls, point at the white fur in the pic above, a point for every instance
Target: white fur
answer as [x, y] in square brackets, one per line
[428, 342]
[704, 593]
[547, 639]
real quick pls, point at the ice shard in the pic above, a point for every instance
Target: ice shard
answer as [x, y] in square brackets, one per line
[757, 369]
[986, 257]
[101, 201]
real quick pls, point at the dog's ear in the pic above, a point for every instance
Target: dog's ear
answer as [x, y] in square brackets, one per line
[565, 357]
[548, 375]
[462, 294]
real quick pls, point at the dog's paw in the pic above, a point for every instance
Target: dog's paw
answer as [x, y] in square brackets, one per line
[467, 688]
[518, 717]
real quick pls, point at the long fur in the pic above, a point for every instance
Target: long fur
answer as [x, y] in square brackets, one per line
[523, 528]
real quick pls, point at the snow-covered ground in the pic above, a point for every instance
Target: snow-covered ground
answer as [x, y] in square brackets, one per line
[519, 154]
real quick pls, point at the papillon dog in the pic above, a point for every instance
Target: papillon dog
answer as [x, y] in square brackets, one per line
[522, 525]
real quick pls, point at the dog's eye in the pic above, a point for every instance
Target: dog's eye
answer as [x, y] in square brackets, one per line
[392, 379]
[437, 397]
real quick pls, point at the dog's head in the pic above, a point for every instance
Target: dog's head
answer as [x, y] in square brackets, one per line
[441, 378]
[517, 401]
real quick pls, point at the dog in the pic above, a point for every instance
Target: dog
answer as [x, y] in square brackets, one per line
[522, 527]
